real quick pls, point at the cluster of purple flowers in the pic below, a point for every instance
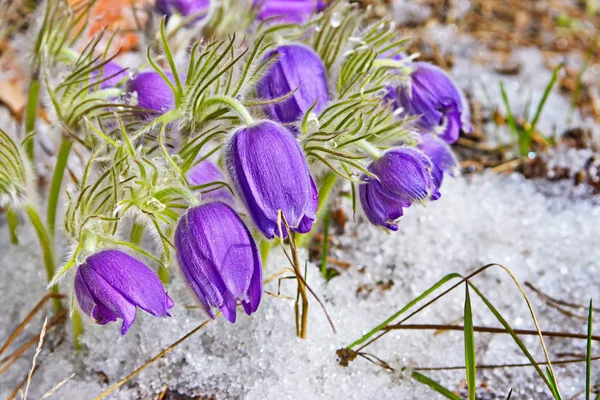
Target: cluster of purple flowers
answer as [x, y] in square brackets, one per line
[215, 249]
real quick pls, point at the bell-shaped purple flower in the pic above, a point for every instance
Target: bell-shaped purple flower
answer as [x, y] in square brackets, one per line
[219, 259]
[294, 11]
[206, 172]
[182, 7]
[270, 174]
[153, 93]
[111, 284]
[297, 68]
[441, 156]
[112, 74]
[402, 176]
[437, 101]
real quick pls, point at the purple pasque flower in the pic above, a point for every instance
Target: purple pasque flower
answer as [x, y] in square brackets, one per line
[112, 74]
[293, 11]
[110, 284]
[402, 176]
[436, 100]
[182, 7]
[297, 68]
[153, 93]
[206, 172]
[270, 173]
[219, 259]
[441, 156]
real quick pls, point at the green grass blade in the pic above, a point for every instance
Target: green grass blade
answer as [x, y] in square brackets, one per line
[385, 323]
[553, 386]
[325, 246]
[434, 385]
[510, 118]
[547, 91]
[588, 356]
[470, 361]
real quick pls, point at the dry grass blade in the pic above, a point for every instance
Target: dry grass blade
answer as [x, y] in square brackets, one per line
[28, 319]
[38, 350]
[14, 393]
[55, 388]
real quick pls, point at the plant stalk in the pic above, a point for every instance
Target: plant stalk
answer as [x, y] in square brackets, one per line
[55, 187]
[77, 325]
[13, 223]
[324, 193]
[31, 113]
[47, 251]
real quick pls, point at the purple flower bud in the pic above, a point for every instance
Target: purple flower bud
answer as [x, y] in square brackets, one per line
[441, 157]
[153, 93]
[439, 103]
[182, 7]
[297, 68]
[270, 174]
[111, 284]
[206, 172]
[294, 11]
[219, 259]
[112, 75]
[379, 209]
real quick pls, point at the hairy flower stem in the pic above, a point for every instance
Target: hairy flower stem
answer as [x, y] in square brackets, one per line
[137, 233]
[13, 223]
[301, 316]
[324, 192]
[265, 248]
[232, 104]
[369, 148]
[47, 251]
[163, 274]
[31, 112]
[55, 187]
[77, 326]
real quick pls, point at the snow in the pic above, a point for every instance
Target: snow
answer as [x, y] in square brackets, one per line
[548, 241]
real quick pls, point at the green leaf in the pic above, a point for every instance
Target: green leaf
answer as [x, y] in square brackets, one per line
[434, 385]
[470, 360]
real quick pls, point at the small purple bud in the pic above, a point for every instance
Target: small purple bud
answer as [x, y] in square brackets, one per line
[153, 93]
[441, 157]
[112, 75]
[297, 68]
[111, 284]
[219, 259]
[270, 174]
[439, 103]
[206, 172]
[293, 11]
[379, 209]
[403, 175]
[182, 7]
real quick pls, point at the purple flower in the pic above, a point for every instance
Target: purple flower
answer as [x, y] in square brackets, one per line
[153, 93]
[439, 103]
[206, 172]
[441, 157]
[219, 259]
[270, 174]
[112, 75]
[297, 68]
[402, 177]
[294, 11]
[111, 284]
[182, 7]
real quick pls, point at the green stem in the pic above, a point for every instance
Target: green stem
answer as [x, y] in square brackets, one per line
[265, 248]
[325, 247]
[13, 223]
[233, 104]
[163, 274]
[77, 325]
[324, 193]
[55, 187]
[137, 233]
[47, 251]
[369, 148]
[31, 113]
